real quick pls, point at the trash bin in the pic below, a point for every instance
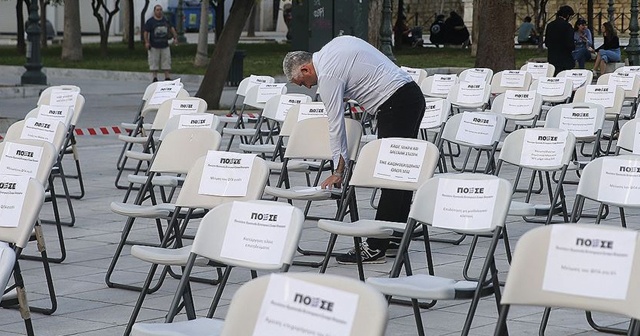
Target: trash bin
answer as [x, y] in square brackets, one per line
[237, 67]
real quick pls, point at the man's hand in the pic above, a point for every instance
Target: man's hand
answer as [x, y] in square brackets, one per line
[147, 45]
[331, 181]
[175, 40]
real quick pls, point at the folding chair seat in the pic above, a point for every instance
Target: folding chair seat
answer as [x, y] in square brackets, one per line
[169, 108]
[417, 74]
[538, 70]
[543, 273]
[221, 238]
[611, 98]
[438, 86]
[437, 111]
[517, 80]
[474, 75]
[15, 229]
[542, 151]
[420, 159]
[629, 82]
[189, 145]
[474, 204]
[172, 251]
[477, 132]
[232, 116]
[34, 159]
[578, 77]
[524, 108]
[466, 96]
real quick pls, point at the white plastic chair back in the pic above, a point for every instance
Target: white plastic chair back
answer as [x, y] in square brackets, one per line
[592, 174]
[554, 116]
[580, 96]
[629, 92]
[251, 98]
[20, 234]
[182, 147]
[15, 132]
[563, 97]
[579, 77]
[291, 120]
[164, 110]
[271, 106]
[310, 139]
[48, 158]
[429, 90]
[514, 143]
[457, 100]
[64, 87]
[251, 81]
[498, 107]
[476, 74]
[150, 108]
[7, 260]
[452, 126]
[445, 112]
[551, 69]
[174, 123]
[627, 138]
[496, 83]
[77, 109]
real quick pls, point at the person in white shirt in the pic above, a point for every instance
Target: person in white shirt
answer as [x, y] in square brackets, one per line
[348, 67]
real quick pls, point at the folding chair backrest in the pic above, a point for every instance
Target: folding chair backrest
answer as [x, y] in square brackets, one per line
[566, 92]
[182, 147]
[291, 120]
[149, 108]
[251, 98]
[151, 88]
[580, 97]
[189, 196]
[7, 260]
[363, 173]
[65, 87]
[272, 105]
[165, 109]
[526, 279]
[454, 123]
[429, 87]
[550, 69]
[593, 174]
[498, 106]
[444, 112]
[474, 75]
[627, 137]
[579, 77]
[456, 99]
[212, 229]
[631, 91]
[370, 316]
[48, 158]
[35, 113]
[251, 81]
[424, 206]
[16, 129]
[417, 74]
[174, 123]
[310, 139]
[514, 147]
[554, 116]
[77, 109]
[497, 87]
[20, 234]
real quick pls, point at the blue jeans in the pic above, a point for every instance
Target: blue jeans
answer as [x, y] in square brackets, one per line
[610, 55]
[581, 55]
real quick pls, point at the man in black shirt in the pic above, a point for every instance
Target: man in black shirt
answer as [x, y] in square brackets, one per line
[559, 40]
[157, 31]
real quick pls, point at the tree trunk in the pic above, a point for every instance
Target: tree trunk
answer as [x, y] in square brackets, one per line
[202, 57]
[43, 23]
[495, 41]
[475, 32]
[251, 27]
[143, 14]
[214, 78]
[219, 19]
[22, 44]
[71, 40]
[105, 26]
[375, 19]
[128, 34]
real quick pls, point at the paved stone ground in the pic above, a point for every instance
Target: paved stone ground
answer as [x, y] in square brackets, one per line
[86, 306]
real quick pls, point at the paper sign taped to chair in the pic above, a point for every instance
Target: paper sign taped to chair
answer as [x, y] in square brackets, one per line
[579, 121]
[400, 160]
[257, 232]
[432, 117]
[308, 111]
[286, 102]
[465, 204]
[551, 86]
[295, 307]
[442, 84]
[513, 78]
[414, 73]
[477, 128]
[537, 70]
[13, 191]
[199, 120]
[577, 77]
[164, 92]
[268, 90]
[20, 159]
[226, 174]
[590, 262]
[257, 80]
[61, 113]
[604, 95]
[543, 148]
[620, 181]
[182, 106]
[518, 102]
[60, 97]
[476, 75]
[625, 80]
[471, 93]
[44, 130]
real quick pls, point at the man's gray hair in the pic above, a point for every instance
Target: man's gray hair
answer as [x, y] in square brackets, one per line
[293, 61]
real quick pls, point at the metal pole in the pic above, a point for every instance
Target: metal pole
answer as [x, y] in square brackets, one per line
[180, 22]
[34, 74]
[385, 31]
[633, 49]
[610, 10]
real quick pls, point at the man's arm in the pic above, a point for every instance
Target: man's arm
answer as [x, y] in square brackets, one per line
[147, 45]
[175, 35]
[332, 94]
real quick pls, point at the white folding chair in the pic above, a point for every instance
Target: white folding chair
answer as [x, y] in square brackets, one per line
[474, 75]
[611, 98]
[628, 138]
[418, 75]
[629, 82]
[466, 96]
[553, 90]
[438, 86]
[523, 107]
[578, 77]
[538, 70]
[436, 113]
[483, 193]
[232, 117]
[517, 80]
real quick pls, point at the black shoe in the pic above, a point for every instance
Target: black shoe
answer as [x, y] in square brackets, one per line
[155, 79]
[392, 250]
[369, 256]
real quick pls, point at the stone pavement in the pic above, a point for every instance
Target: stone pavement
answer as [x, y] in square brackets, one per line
[86, 306]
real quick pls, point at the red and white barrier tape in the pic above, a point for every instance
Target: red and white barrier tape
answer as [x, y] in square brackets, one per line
[104, 130]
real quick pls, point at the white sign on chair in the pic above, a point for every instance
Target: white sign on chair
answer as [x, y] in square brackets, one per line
[518, 102]
[61, 113]
[400, 160]
[578, 78]
[471, 93]
[537, 70]
[476, 75]
[291, 305]
[512, 78]
[620, 182]
[60, 97]
[551, 86]
[581, 122]
[591, 262]
[268, 90]
[199, 120]
[477, 128]
[308, 111]
[164, 91]
[414, 73]
[465, 204]
[35, 129]
[432, 117]
[181, 106]
[13, 190]
[604, 95]
[286, 102]
[624, 80]
[20, 159]
[226, 174]
[543, 148]
[442, 83]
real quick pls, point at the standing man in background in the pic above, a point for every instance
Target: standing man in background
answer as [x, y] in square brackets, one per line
[156, 41]
[559, 40]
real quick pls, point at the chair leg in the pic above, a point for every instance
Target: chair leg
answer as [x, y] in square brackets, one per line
[544, 321]
[597, 327]
[417, 316]
[25, 311]
[141, 297]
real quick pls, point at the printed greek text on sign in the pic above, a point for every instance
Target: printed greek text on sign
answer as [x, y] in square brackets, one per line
[400, 160]
[20, 159]
[477, 128]
[518, 102]
[268, 90]
[543, 148]
[578, 78]
[551, 86]
[471, 93]
[199, 120]
[180, 106]
[432, 117]
[308, 111]
[476, 75]
[226, 174]
[465, 204]
[620, 181]
[442, 84]
[43, 130]
[164, 92]
[286, 102]
[414, 73]
[537, 70]
[579, 121]
[512, 78]
[604, 95]
[13, 190]
[60, 97]
[61, 113]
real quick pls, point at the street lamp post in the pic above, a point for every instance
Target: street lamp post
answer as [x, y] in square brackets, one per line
[633, 49]
[610, 11]
[34, 74]
[180, 22]
[385, 31]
